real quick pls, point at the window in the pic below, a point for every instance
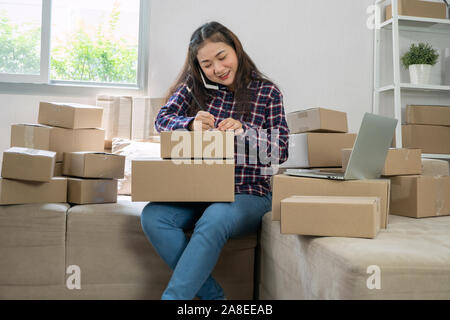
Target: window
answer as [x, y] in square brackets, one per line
[87, 42]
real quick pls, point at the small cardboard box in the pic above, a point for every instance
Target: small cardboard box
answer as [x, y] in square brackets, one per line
[309, 150]
[398, 161]
[420, 196]
[285, 186]
[70, 115]
[430, 115]
[211, 144]
[418, 8]
[317, 120]
[94, 165]
[28, 164]
[56, 139]
[331, 216]
[182, 181]
[434, 167]
[86, 191]
[25, 192]
[431, 139]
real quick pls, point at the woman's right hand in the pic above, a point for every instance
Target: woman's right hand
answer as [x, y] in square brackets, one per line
[203, 121]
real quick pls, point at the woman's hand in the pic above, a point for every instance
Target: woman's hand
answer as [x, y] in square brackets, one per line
[230, 124]
[203, 121]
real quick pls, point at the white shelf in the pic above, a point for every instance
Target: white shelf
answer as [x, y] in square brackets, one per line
[419, 24]
[436, 156]
[415, 87]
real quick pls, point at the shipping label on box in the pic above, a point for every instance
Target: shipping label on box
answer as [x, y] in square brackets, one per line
[431, 139]
[90, 191]
[94, 165]
[317, 120]
[420, 196]
[70, 115]
[117, 116]
[211, 144]
[184, 181]
[285, 186]
[25, 192]
[331, 216]
[315, 150]
[28, 164]
[429, 115]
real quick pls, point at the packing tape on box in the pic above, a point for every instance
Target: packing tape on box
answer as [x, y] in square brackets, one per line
[302, 115]
[29, 137]
[407, 154]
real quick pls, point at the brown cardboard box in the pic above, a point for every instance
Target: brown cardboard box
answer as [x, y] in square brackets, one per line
[28, 164]
[434, 167]
[418, 8]
[315, 150]
[431, 139]
[430, 115]
[398, 161]
[94, 165]
[420, 196]
[183, 180]
[212, 144]
[117, 115]
[24, 192]
[85, 191]
[70, 115]
[331, 216]
[285, 186]
[317, 120]
[57, 139]
[58, 172]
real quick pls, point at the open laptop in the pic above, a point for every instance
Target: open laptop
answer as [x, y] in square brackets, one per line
[368, 155]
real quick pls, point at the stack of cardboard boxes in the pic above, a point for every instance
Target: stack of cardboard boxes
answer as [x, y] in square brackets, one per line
[32, 169]
[195, 166]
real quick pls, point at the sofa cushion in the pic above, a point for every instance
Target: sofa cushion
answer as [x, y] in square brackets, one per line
[32, 244]
[413, 257]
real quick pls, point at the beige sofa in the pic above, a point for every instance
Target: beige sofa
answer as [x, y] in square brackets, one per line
[39, 242]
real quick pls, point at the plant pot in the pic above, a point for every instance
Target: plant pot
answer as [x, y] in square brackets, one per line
[420, 73]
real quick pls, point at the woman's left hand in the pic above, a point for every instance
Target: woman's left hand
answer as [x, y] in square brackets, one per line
[230, 124]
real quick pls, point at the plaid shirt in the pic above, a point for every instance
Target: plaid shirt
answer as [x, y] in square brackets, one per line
[251, 176]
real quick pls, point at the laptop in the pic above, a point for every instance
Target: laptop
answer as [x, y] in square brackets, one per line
[369, 151]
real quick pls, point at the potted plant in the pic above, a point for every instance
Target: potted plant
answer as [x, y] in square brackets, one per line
[419, 59]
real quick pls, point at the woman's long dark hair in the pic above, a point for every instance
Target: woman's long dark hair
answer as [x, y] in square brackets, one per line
[247, 71]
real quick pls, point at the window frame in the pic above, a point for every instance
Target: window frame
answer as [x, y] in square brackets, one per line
[44, 77]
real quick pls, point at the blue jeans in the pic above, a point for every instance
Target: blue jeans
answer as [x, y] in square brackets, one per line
[192, 261]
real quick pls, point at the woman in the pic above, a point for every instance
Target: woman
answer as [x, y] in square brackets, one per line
[236, 97]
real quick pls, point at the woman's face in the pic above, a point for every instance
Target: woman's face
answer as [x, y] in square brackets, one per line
[219, 62]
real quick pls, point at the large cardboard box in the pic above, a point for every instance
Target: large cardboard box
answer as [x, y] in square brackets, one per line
[431, 139]
[25, 192]
[398, 161]
[419, 8]
[117, 116]
[94, 165]
[331, 216]
[420, 196]
[285, 186]
[70, 115]
[182, 181]
[211, 144]
[308, 150]
[430, 115]
[28, 164]
[145, 110]
[317, 120]
[86, 191]
[56, 139]
[434, 167]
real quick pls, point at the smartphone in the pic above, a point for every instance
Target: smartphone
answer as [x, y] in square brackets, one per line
[208, 85]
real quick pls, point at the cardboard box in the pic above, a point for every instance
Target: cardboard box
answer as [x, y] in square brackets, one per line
[285, 186]
[420, 196]
[183, 180]
[211, 144]
[431, 139]
[309, 150]
[25, 192]
[434, 167]
[89, 191]
[430, 115]
[70, 115]
[28, 164]
[117, 115]
[145, 110]
[57, 139]
[331, 216]
[94, 165]
[398, 161]
[58, 172]
[418, 8]
[317, 120]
